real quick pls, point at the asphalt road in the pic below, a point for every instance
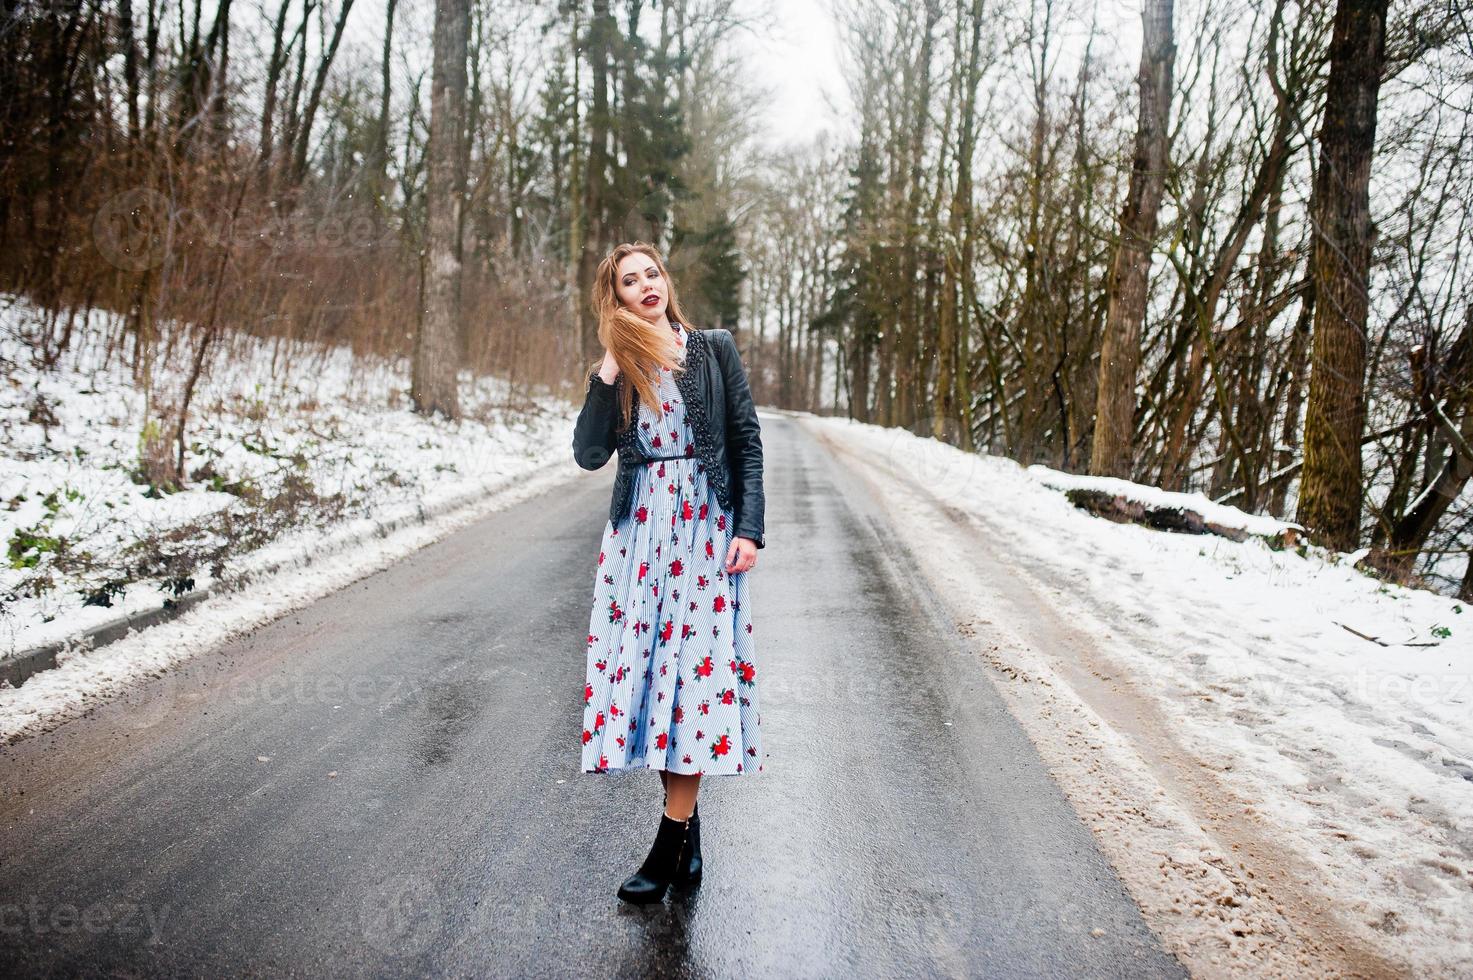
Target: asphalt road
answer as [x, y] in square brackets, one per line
[387, 784]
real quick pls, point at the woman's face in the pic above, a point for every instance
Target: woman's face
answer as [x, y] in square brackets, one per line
[640, 286]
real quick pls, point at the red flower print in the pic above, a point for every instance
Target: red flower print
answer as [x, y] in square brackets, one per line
[676, 568]
[719, 604]
[704, 707]
[666, 630]
[644, 567]
[686, 513]
[686, 760]
[615, 613]
[703, 669]
[587, 736]
[655, 441]
[661, 740]
[603, 762]
[701, 580]
[748, 671]
[752, 751]
[721, 523]
[727, 696]
[592, 638]
[613, 711]
[620, 740]
[700, 734]
[679, 714]
[600, 557]
[598, 721]
[642, 514]
[704, 507]
[710, 551]
[602, 665]
[587, 693]
[720, 747]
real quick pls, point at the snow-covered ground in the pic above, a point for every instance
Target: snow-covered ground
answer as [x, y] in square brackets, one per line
[1281, 794]
[342, 479]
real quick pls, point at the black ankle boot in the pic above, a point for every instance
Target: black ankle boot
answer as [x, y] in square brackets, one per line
[688, 868]
[653, 878]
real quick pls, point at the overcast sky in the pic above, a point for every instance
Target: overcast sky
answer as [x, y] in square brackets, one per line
[800, 63]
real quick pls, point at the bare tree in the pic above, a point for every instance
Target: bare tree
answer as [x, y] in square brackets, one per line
[1114, 435]
[1331, 492]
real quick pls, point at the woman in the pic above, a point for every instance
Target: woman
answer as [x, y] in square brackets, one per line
[672, 678]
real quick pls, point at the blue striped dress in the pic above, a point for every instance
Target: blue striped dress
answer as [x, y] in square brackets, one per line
[672, 676]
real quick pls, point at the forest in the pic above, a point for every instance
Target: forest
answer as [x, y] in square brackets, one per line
[1208, 247]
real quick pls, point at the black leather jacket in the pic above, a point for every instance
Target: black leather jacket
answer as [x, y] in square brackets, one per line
[728, 437]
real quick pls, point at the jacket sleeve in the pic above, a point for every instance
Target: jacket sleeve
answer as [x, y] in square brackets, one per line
[593, 433]
[743, 442]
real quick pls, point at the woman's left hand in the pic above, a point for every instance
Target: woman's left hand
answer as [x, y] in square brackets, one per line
[741, 556]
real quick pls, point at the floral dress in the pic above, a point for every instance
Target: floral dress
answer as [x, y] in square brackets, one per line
[671, 679]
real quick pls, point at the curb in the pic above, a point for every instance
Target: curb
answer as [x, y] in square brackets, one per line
[20, 667]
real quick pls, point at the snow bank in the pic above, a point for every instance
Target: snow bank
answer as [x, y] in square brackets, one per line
[272, 415]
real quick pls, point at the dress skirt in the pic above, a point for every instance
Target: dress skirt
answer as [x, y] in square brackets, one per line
[672, 676]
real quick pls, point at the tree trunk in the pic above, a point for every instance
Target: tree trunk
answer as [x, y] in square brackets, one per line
[1120, 352]
[379, 162]
[600, 41]
[1335, 417]
[435, 360]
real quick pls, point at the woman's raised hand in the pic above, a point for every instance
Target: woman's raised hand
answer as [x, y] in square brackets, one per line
[608, 371]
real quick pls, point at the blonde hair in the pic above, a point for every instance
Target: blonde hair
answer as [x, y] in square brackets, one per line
[639, 351]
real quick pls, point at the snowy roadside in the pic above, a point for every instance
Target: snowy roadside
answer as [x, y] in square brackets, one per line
[1280, 794]
[297, 489]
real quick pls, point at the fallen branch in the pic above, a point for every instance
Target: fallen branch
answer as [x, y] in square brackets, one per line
[1123, 510]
